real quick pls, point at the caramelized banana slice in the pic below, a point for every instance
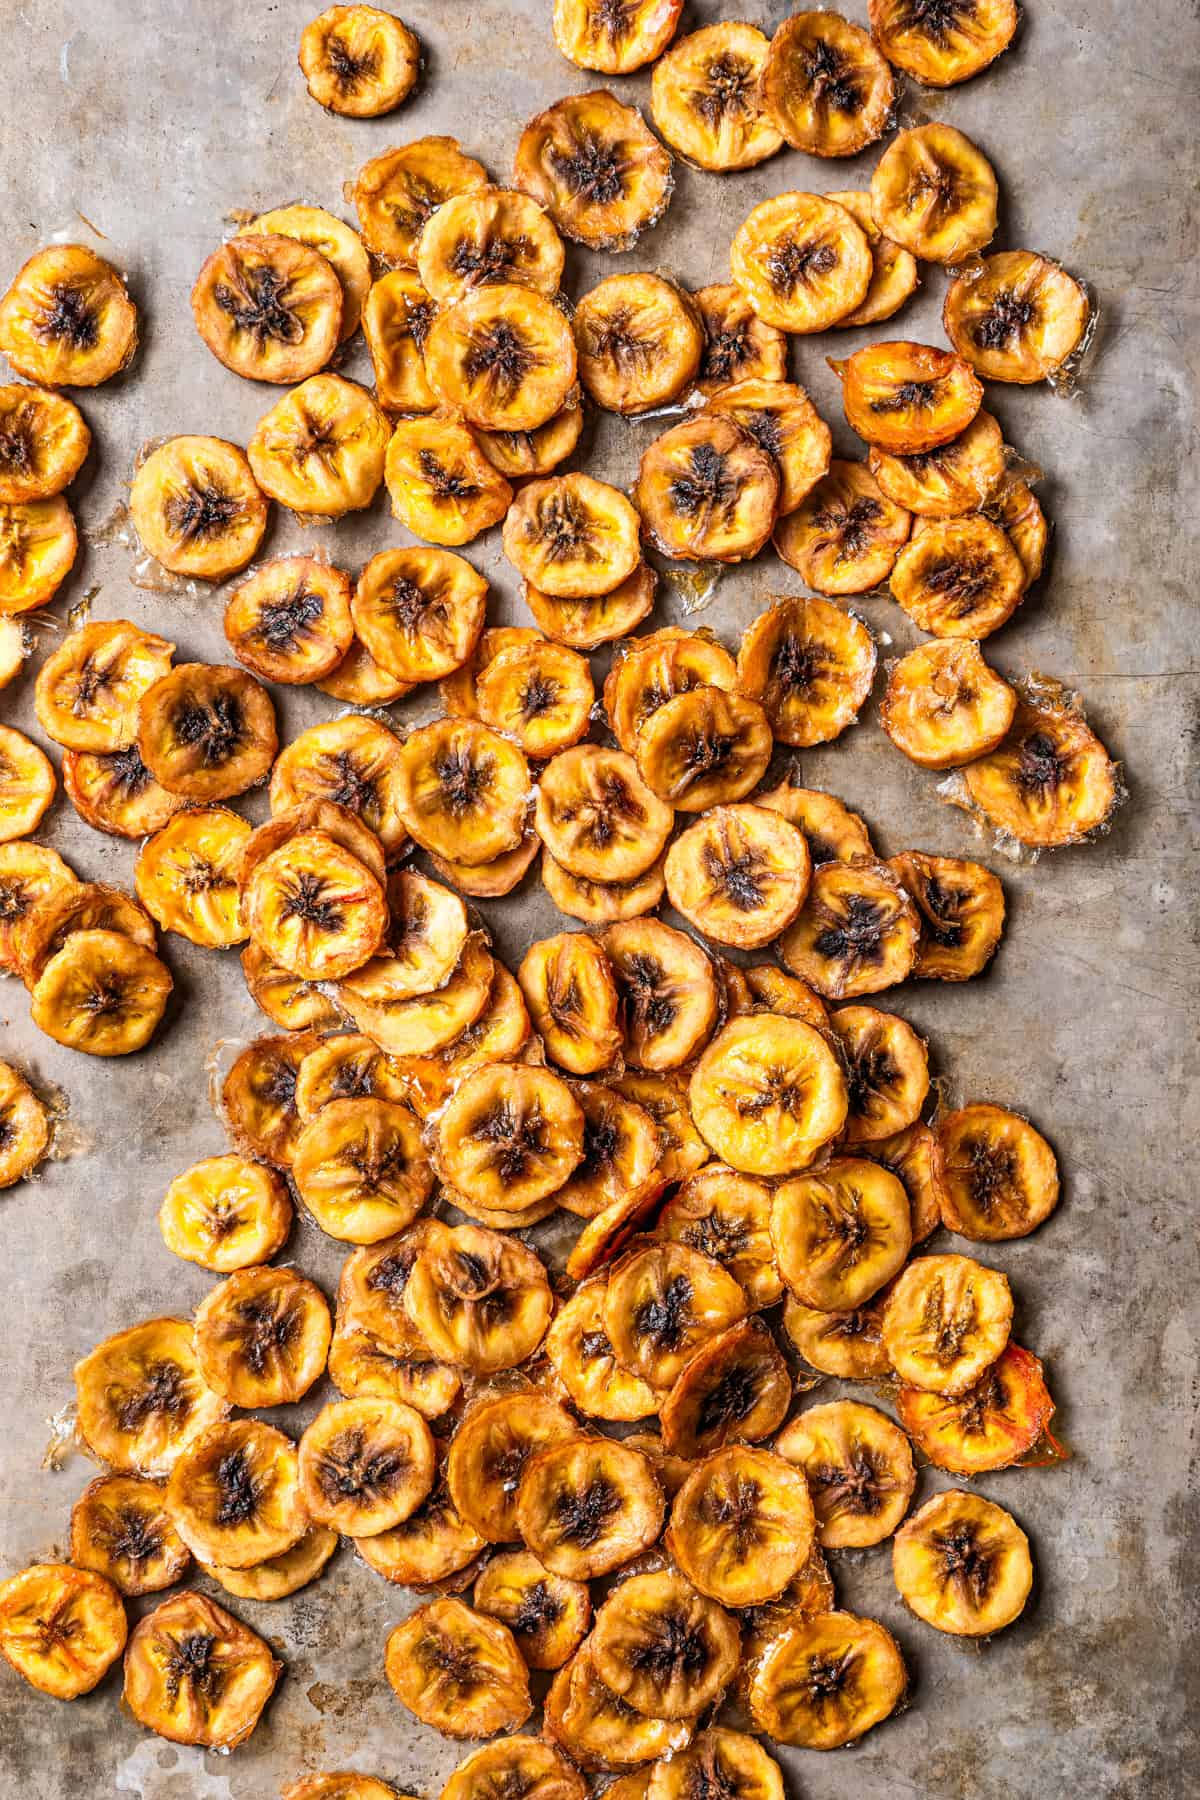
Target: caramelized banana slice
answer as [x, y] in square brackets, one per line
[101, 994]
[547, 1614]
[768, 1094]
[663, 1302]
[121, 1529]
[426, 936]
[587, 1507]
[535, 1767]
[352, 761]
[639, 340]
[906, 398]
[359, 680]
[197, 507]
[887, 1072]
[597, 817]
[770, 990]
[279, 1576]
[721, 1762]
[846, 1344]
[704, 98]
[269, 308]
[464, 790]
[1017, 509]
[665, 1098]
[262, 1338]
[373, 1280]
[741, 1525]
[61, 1628]
[650, 671]
[518, 454]
[480, 1300]
[361, 1169]
[894, 275]
[727, 1216]
[67, 319]
[622, 1146]
[597, 1728]
[856, 934]
[290, 621]
[207, 732]
[572, 536]
[826, 1680]
[704, 748]
[845, 535]
[616, 40]
[961, 905]
[947, 1320]
[397, 315]
[667, 991]
[321, 449]
[959, 578]
[944, 705]
[340, 1787]
[365, 1465]
[1016, 318]
[946, 44]
[951, 479]
[187, 876]
[419, 1024]
[44, 442]
[258, 1097]
[540, 694]
[486, 238]
[509, 1136]
[597, 169]
[707, 492]
[992, 1426]
[226, 1213]
[38, 542]
[859, 1470]
[441, 484]
[585, 1362]
[1051, 781]
[116, 793]
[841, 1232]
[601, 902]
[234, 1494]
[935, 193]
[459, 690]
[488, 1452]
[292, 1005]
[739, 346]
[396, 193]
[24, 1127]
[783, 421]
[26, 784]
[459, 1671]
[666, 1650]
[501, 1033]
[825, 87]
[433, 1544]
[47, 921]
[739, 875]
[736, 1386]
[360, 61]
[195, 1675]
[502, 356]
[344, 827]
[832, 832]
[314, 908]
[1000, 1175]
[606, 1236]
[915, 1157]
[142, 1399]
[810, 665]
[963, 1565]
[341, 247]
[571, 993]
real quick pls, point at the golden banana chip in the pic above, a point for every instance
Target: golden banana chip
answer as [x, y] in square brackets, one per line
[810, 665]
[887, 1072]
[704, 748]
[197, 507]
[502, 357]
[649, 671]
[718, 1761]
[24, 1127]
[262, 1337]
[587, 1507]
[768, 1094]
[361, 1169]
[639, 341]
[480, 1300]
[44, 441]
[961, 907]
[801, 261]
[824, 86]
[993, 1425]
[959, 578]
[894, 275]
[662, 1303]
[741, 1525]
[67, 319]
[234, 1494]
[509, 1136]
[314, 908]
[707, 492]
[1051, 781]
[783, 421]
[359, 680]
[459, 1671]
[494, 1440]
[258, 1097]
[26, 784]
[102, 994]
[736, 1387]
[120, 1528]
[941, 45]
[362, 1366]
[841, 1232]
[464, 790]
[1000, 1176]
[727, 1216]
[365, 1465]
[572, 537]
[571, 992]
[770, 990]
[290, 621]
[666, 1650]
[441, 484]
[407, 1024]
[846, 1344]
[434, 1544]
[426, 935]
[340, 1787]
[541, 694]
[857, 932]
[598, 170]
[826, 1680]
[38, 542]
[61, 1628]
[352, 761]
[396, 193]
[397, 314]
[859, 1470]
[947, 1319]
[187, 876]
[269, 308]
[115, 792]
[87, 691]
[950, 479]
[226, 1213]
[142, 1398]
[341, 247]
[962, 1564]
[207, 732]
[359, 61]
[845, 535]
[704, 98]
[1016, 318]
[518, 454]
[195, 1675]
[16, 643]
[1017, 509]
[322, 448]
[292, 1005]
[739, 346]
[601, 902]
[667, 992]
[486, 238]
[935, 193]
[47, 920]
[597, 1728]
[584, 1360]
[906, 398]
[622, 1146]
[547, 1614]
[598, 818]
[915, 1157]
[615, 39]
[278, 1576]
[944, 705]
[739, 875]
[832, 832]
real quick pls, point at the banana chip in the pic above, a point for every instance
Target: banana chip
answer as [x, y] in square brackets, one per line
[38, 542]
[226, 1213]
[915, 1157]
[802, 261]
[186, 876]
[887, 1072]
[142, 1398]
[739, 875]
[234, 1494]
[207, 732]
[1050, 781]
[361, 1169]
[351, 761]
[365, 1465]
[195, 1675]
[859, 1470]
[314, 907]
[101, 994]
[845, 535]
[442, 486]
[947, 1319]
[856, 934]
[46, 924]
[518, 454]
[894, 275]
[258, 1097]
[397, 193]
[433, 1544]
[841, 1232]
[826, 1680]
[67, 319]
[541, 694]
[825, 87]
[600, 173]
[962, 1564]
[480, 1300]
[654, 669]
[1017, 318]
[1000, 1176]
[502, 356]
[935, 193]
[197, 507]
[597, 1728]
[61, 1628]
[946, 44]
[662, 1303]
[768, 1094]
[727, 1216]
[281, 1575]
[290, 621]
[950, 479]
[738, 345]
[665, 1649]
[639, 341]
[667, 992]
[494, 1440]
[572, 537]
[846, 1344]
[586, 1508]
[783, 421]
[485, 239]
[991, 1426]
[736, 1387]
[571, 993]
[120, 1528]
[585, 1362]
[547, 1614]
[616, 40]
[907, 398]
[87, 691]
[832, 832]
[721, 1762]
[361, 62]
[704, 98]
[707, 492]
[292, 1005]
[262, 1337]
[459, 1671]
[341, 247]
[597, 817]
[945, 705]
[397, 314]
[115, 792]
[959, 578]
[30, 875]
[811, 667]
[961, 905]
[602, 902]
[322, 448]
[24, 1127]
[269, 308]
[741, 1525]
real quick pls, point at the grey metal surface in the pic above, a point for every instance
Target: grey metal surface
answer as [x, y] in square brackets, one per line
[153, 121]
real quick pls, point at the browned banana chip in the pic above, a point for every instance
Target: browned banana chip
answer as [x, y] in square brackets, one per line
[269, 308]
[810, 665]
[894, 275]
[961, 906]
[935, 193]
[887, 1072]
[500, 1033]
[195, 1675]
[600, 173]
[704, 98]
[396, 193]
[547, 1614]
[722, 1762]
[441, 484]
[537, 1767]
[234, 1494]
[419, 611]
[944, 705]
[597, 1728]
[359, 60]
[622, 1146]
[569, 987]
[207, 732]
[906, 398]
[187, 876]
[597, 817]
[825, 1681]
[947, 1319]
[963, 1565]
[857, 932]
[572, 537]
[361, 1366]
[1018, 317]
[61, 1628]
[846, 1344]
[503, 357]
[768, 1094]
[952, 478]
[480, 1300]
[601, 902]
[464, 790]
[489, 1450]
[739, 875]
[727, 1216]
[419, 1024]
[426, 935]
[663, 1648]
[361, 1169]
[941, 45]
[120, 1528]
[993, 1425]
[226, 1213]
[664, 1096]
[667, 990]
[397, 314]
[371, 1289]
[615, 38]
[783, 421]
[341, 247]
[67, 319]
[607, 1235]
[485, 238]
[704, 748]
[262, 1337]
[1000, 1176]
[48, 918]
[841, 1232]
[802, 262]
[101, 994]
[519, 454]
[639, 340]
[24, 1127]
[44, 442]
[116, 793]
[586, 1508]
[585, 1362]
[434, 1544]
[914, 1156]
[278, 1576]
[1051, 781]
[141, 1397]
[741, 1525]
[321, 449]
[314, 907]
[845, 535]
[292, 1005]
[509, 1136]
[541, 694]
[739, 346]
[1017, 508]
[290, 621]
[258, 1097]
[959, 578]
[458, 690]
[325, 816]
[649, 671]
[197, 507]
[87, 691]
[359, 680]
[770, 990]
[707, 492]
[859, 1469]
[352, 761]
[825, 87]
[38, 542]
[365, 1465]
[833, 833]
[663, 1302]
[459, 1671]
[736, 1387]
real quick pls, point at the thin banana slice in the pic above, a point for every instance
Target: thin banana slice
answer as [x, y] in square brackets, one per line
[588, 1507]
[736, 1387]
[116, 793]
[361, 1169]
[616, 40]
[945, 705]
[650, 671]
[597, 817]
[195, 1675]
[783, 421]
[947, 1319]
[16, 643]
[186, 876]
[945, 45]
[434, 1544]
[894, 274]
[315, 908]
[1000, 1175]
[907, 398]
[662, 1647]
[963, 1565]
[914, 1156]
[707, 492]
[502, 356]
[962, 913]
[704, 748]
[281, 1575]
[667, 992]
[768, 1094]
[292, 1005]
[45, 924]
[290, 620]
[887, 1072]
[361, 62]
[841, 1232]
[480, 1300]
[24, 1127]
[585, 1362]
[61, 1628]
[663, 1302]
[121, 1529]
[261, 1338]
[833, 833]
[739, 875]
[622, 1146]
[768, 989]
[463, 790]
[1017, 509]
[547, 1614]
[44, 442]
[1018, 317]
[397, 315]
[540, 694]
[810, 665]
[509, 1136]
[459, 1671]
[494, 1441]
[341, 247]
[269, 308]
[321, 449]
[1051, 781]
[341, 1787]
[67, 319]
[704, 98]
[639, 341]
[419, 612]
[442, 486]
[27, 784]
[801, 261]
[993, 1425]
[352, 761]
[234, 1494]
[952, 478]
[207, 732]
[959, 578]
[421, 1024]
[859, 1470]
[226, 1213]
[741, 1525]
[345, 827]
[197, 507]
[142, 1398]
[87, 691]
[598, 170]
[101, 994]
[365, 1465]
[258, 1097]
[726, 1215]
[597, 1728]
[856, 934]
[935, 193]
[718, 1762]
[846, 1344]
[739, 346]
[518, 454]
[569, 987]
[572, 536]
[601, 902]
[825, 87]
[485, 239]
[826, 1680]
[397, 192]
[845, 535]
